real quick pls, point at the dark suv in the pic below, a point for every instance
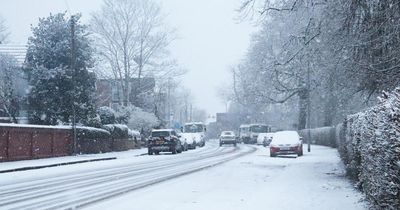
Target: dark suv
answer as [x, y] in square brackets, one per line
[164, 140]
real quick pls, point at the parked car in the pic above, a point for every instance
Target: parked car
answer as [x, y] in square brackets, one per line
[286, 143]
[189, 140]
[164, 140]
[227, 137]
[264, 139]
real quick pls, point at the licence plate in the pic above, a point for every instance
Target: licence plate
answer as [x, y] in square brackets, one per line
[159, 142]
[285, 148]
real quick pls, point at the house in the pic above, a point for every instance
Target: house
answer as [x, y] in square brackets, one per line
[109, 92]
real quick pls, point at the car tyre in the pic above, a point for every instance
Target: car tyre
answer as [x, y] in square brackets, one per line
[149, 152]
[273, 155]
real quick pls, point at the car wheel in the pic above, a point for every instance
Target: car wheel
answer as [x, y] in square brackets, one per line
[273, 155]
[174, 151]
[157, 152]
[149, 152]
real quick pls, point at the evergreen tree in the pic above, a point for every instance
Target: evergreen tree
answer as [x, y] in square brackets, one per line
[58, 57]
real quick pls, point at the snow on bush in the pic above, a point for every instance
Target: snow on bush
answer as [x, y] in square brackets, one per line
[322, 136]
[369, 144]
[106, 114]
[137, 119]
[118, 131]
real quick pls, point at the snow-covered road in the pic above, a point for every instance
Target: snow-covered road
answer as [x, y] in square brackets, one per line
[79, 185]
[252, 180]
[255, 181]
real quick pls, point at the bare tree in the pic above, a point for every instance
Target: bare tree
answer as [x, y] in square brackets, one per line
[4, 33]
[132, 40]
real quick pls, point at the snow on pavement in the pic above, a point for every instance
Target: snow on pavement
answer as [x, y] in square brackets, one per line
[255, 181]
[64, 159]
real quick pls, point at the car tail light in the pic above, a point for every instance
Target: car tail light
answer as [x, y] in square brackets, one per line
[274, 149]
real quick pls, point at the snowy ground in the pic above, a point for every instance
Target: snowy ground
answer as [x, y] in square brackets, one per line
[255, 181]
[191, 180]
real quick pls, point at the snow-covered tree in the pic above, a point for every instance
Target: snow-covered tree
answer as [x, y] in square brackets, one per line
[350, 49]
[106, 114]
[57, 61]
[9, 99]
[136, 118]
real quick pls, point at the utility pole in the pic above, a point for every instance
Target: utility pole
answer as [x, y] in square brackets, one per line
[73, 69]
[308, 108]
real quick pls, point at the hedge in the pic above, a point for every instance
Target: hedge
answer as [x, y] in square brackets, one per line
[369, 145]
[371, 151]
[93, 140]
[118, 131]
[325, 136]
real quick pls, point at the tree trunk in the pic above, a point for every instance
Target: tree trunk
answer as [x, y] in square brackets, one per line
[303, 103]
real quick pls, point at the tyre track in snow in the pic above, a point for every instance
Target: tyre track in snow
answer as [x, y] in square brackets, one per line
[78, 191]
[47, 187]
[39, 184]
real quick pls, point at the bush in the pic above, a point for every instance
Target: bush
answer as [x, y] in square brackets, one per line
[92, 133]
[369, 144]
[93, 140]
[321, 136]
[106, 114]
[118, 131]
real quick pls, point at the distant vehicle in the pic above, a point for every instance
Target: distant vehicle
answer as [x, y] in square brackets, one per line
[164, 140]
[254, 131]
[244, 133]
[198, 131]
[264, 139]
[227, 137]
[189, 139]
[286, 143]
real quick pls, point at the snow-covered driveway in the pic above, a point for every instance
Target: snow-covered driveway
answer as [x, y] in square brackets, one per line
[255, 181]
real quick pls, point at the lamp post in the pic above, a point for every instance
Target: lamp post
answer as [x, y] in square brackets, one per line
[308, 109]
[73, 69]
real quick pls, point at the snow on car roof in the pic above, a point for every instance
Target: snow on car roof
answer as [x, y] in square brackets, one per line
[191, 123]
[228, 133]
[266, 134]
[283, 137]
[244, 126]
[156, 130]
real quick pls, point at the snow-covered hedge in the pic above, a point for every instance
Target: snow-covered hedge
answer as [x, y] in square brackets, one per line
[325, 136]
[118, 131]
[93, 140]
[369, 144]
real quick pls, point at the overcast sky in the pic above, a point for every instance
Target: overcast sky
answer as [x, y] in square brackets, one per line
[210, 38]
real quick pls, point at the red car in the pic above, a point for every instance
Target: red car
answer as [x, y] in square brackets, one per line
[286, 143]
